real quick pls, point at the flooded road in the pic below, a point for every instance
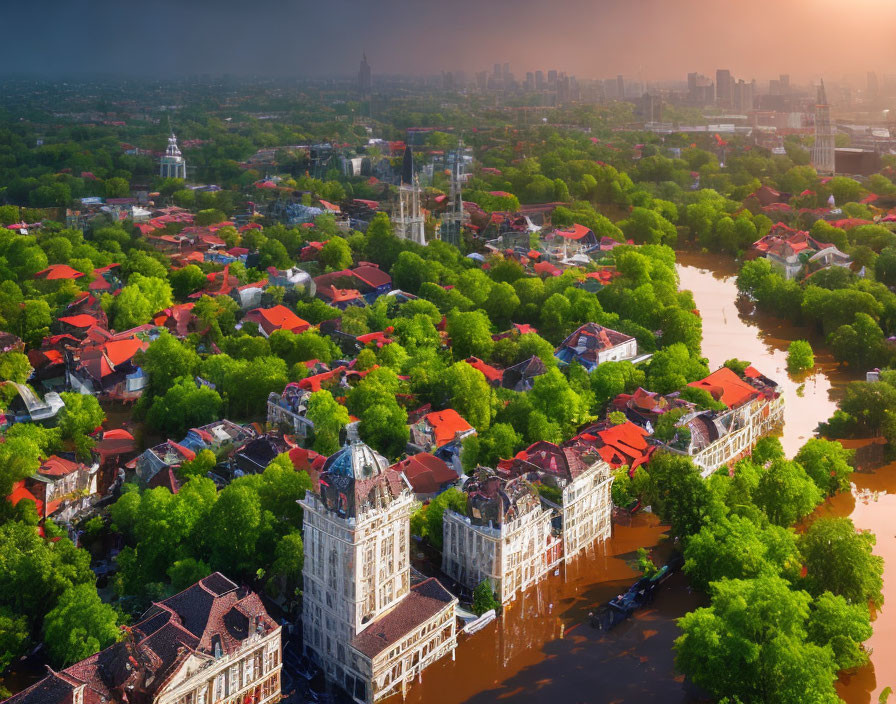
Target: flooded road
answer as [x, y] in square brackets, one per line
[543, 647]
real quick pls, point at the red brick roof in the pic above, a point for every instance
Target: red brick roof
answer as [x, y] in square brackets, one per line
[424, 601]
[426, 473]
[278, 317]
[57, 272]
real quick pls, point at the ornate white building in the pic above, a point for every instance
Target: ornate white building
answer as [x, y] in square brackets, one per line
[173, 164]
[213, 643]
[755, 407]
[409, 222]
[365, 624]
[505, 538]
[823, 155]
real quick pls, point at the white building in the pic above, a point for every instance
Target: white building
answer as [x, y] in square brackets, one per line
[212, 643]
[365, 624]
[505, 538]
[593, 344]
[173, 165]
[755, 408]
[409, 222]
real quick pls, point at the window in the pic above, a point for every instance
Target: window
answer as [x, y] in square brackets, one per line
[248, 670]
[220, 686]
[234, 683]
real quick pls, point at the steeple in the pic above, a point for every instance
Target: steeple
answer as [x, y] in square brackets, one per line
[823, 151]
[407, 167]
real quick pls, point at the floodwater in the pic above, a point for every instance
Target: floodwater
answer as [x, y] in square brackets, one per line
[543, 648]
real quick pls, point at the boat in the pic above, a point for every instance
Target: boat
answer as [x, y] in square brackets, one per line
[641, 593]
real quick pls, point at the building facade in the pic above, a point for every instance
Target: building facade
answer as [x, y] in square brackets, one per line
[365, 624]
[823, 151]
[213, 643]
[173, 164]
[507, 537]
[409, 222]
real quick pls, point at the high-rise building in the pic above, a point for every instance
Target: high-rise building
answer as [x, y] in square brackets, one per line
[785, 83]
[823, 149]
[724, 88]
[364, 623]
[409, 224]
[173, 164]
[743, 96]
[539, 80]
[364, 79]
[552, 77]
[873, 85]
[620, 87]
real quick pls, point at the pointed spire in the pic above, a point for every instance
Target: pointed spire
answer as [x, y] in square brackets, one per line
[407, 166]
[822, 97]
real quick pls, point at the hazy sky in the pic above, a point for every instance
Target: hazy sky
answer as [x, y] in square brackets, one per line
[588, 38]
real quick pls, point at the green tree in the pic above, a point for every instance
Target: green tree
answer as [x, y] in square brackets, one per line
[165, 360]
[679, 495]
[336, 254]
[183, 406]
[800, 357]
[14, 635]
[14, 366]
[470, 394]
[470, 335]
[329, 418]
[786, 493]
[839, 560]
[81, 415]
[79, 626]
[186, 281]
[199, 466]
[842, 626]
[751, 644]
[484, 598]
[827, 463]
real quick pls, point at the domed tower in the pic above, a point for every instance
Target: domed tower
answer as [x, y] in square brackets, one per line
[357, 582]
[173, 164]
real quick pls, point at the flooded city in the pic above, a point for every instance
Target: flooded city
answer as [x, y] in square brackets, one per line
[543, 646]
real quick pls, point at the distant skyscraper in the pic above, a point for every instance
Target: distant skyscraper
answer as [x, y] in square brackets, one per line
[552, 77]
[539, 80]
[743, 96]
[724, 87]
[692, 85]
[364, 81]
[496, 71]
[873, 86]
[173, 165]
[785, 83]
[823, 149]
[620, 87]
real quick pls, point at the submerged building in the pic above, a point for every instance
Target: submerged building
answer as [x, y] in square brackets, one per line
[506, 536]
[754, 407]
[365, 624]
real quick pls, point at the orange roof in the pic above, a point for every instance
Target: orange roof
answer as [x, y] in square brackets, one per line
[55, 466]
[120, 351]
[726, 386]
[20, 493]
[82, 320]
[57, 272]
[488, 371]
[278, 317]
[446, 425]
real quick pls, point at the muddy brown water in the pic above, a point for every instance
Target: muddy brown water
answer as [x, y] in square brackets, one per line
[543, 648]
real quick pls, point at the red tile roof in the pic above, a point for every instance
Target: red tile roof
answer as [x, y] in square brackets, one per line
[57, 272]
[424, 601]
[425, 473]
[727, 387]
[278, 317]
[446, 424]
[82, 320]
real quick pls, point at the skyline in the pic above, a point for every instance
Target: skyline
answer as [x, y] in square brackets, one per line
[642, 39]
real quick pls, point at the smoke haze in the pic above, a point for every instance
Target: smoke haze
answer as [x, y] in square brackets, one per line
[653, 39]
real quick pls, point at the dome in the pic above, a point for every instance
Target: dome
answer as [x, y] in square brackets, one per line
[356, 461]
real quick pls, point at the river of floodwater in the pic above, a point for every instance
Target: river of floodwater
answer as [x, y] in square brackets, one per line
[543, 648]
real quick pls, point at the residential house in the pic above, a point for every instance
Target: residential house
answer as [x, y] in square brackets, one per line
[104, 364]
[619, 445]
[712, 439]
[520, 376]
[61, 486]
[427, 474]
[278, 317]
[440, 432]
[213, 642]
[593, 344]
[364, 623]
